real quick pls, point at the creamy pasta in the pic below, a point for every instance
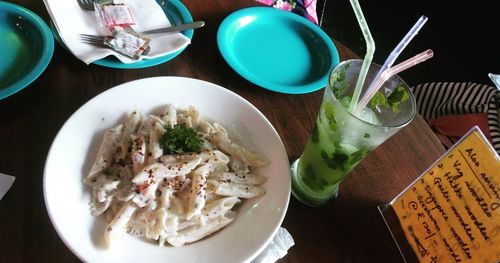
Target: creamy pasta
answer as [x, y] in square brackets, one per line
[173, 199]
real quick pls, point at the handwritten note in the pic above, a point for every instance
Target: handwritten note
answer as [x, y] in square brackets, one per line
[452, 212]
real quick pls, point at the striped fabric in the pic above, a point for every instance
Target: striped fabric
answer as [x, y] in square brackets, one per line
[438, 99]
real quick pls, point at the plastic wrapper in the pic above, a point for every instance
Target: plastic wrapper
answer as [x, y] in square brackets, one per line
[128, 42]
[110, 15]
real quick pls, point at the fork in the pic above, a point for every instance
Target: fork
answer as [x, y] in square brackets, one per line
[99, 42]
[86, 4]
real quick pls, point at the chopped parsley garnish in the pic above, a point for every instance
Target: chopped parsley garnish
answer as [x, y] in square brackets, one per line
[180, 139]
[392, 101]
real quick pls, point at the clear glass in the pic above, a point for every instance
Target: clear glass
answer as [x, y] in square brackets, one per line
[340, 140]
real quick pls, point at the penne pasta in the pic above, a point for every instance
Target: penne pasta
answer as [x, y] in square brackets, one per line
[232, 189]
[245, 179]
[221, 139]
[138, 152]
[195, 233]
[174, 199]
[170, 115]
[104, 158]
[129, 128]
[119, 222]
[198, 196]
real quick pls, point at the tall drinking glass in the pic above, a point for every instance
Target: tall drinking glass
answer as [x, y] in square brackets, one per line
[340, 140]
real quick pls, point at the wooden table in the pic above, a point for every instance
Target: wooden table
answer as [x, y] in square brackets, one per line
[349, 229]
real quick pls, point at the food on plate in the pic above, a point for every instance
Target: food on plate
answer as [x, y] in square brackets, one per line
[174, 178]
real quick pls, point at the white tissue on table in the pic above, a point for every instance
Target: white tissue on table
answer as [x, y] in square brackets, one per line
[277, 248]
[6, 182]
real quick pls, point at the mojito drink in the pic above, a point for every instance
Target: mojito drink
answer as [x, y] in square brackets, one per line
[340, 140]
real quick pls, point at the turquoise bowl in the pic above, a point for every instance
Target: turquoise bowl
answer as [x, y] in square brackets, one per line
[26, 48]
[277, 50]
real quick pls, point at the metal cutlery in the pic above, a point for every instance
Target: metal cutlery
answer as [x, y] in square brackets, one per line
[176, 28]
[86, 4]
[98, 41]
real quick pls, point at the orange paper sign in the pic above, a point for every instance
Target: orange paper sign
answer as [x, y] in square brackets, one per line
[452, 212]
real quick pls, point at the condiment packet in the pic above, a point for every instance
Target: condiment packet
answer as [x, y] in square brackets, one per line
[127, 42]
[110, 15]
[6, 182]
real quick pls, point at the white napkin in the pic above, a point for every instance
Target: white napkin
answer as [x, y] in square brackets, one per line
[6, 182]
[70, 21]
[277, 248]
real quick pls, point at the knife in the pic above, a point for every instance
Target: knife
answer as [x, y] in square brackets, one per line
[176, 28]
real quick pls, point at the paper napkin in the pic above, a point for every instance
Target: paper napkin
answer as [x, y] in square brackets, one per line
[6, 182]
[70, 21]
[277, 248]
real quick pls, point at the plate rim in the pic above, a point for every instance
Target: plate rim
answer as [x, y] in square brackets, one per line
[282, 88]
[47, 51]
[282, 149]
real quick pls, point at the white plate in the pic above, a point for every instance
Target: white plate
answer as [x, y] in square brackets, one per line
[75, 145]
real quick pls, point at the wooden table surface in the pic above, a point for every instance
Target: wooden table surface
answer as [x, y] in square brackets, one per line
[348, 229]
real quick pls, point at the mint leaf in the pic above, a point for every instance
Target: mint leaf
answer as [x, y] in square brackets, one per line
[339, 82]
[329, 113]
[397, 96]
[393, 101]
[378, 100]
[315, 134]
[336, 161]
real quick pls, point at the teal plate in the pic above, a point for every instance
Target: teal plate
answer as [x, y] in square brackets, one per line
[277, 50]
[176, 13]
[27, 47]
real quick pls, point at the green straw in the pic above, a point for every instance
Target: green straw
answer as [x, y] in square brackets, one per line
[370, 49]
